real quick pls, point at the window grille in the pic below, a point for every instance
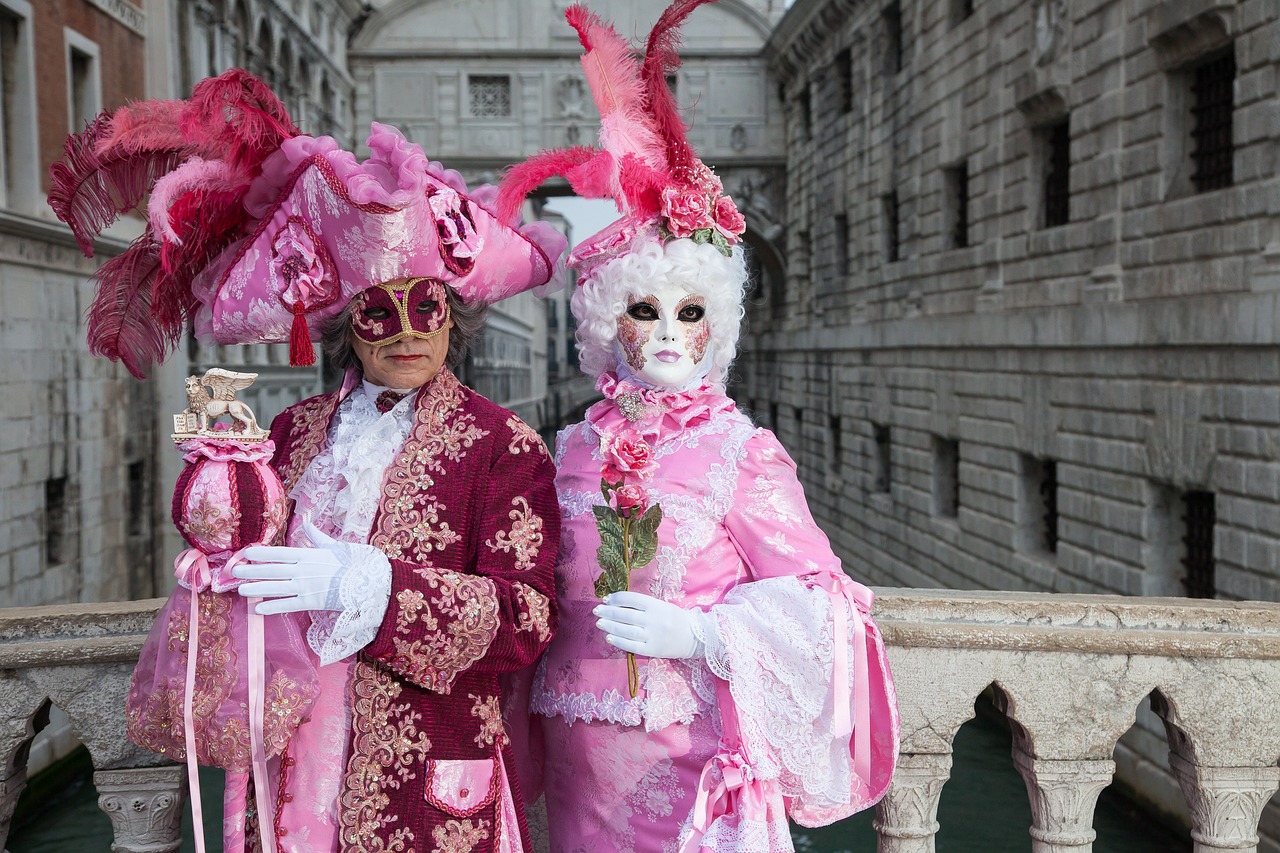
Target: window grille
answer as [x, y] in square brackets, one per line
[842, 245]
[55, 521]
[893, 41]
[946, 477]
[958, 183]
[883, 469]
[1197, 561]
[1057, 178]
[892, 243]
[806, 111]
[1049, 500]
[137, 517]
[1212, 88]
[490, 96]
[844, 81]
[836, 432]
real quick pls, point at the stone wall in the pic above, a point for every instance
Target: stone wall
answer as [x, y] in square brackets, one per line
[982, 397]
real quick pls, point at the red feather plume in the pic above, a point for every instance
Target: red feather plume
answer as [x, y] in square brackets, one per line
[120, 322]
[524, 178]
[91, 190]
[238, 116]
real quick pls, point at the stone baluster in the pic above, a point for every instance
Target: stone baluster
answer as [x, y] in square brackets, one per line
[907, 818]
[145, 807]
[1225, 802]
[1063, 794]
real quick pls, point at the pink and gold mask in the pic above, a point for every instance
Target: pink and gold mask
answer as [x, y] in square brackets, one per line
[386, 313]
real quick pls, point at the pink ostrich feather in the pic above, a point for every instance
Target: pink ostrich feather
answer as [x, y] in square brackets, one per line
[614, 77]
[195, 174]
[146, 126]
[661, 58]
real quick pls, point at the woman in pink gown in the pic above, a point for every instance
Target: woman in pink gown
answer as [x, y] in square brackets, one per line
[754, 653]
[715, 671]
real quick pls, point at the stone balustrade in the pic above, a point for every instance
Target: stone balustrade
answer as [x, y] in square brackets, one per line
[1069, 671]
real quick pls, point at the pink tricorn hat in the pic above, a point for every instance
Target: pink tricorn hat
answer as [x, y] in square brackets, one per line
[328, 227]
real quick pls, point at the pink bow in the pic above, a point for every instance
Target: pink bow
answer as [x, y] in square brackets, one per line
[859, 599]
[738, 784]
[193, 571]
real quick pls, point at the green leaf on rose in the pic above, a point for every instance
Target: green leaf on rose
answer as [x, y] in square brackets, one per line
[718, 240]
[644, 537]
[609, 556]
[703, 235]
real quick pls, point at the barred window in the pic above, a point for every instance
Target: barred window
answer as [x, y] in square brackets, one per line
[1212, 93]
[883, 457]
[892, 241]
[946, 477]
[490, 95]
[1057, 173]
[842, 245]
[844, 81]
[894, 46]
[957, 189]
[1199, 519]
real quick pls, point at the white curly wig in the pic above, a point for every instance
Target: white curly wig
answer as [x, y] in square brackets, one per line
[701, 269]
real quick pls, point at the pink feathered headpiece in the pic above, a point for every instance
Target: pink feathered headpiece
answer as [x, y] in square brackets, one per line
[645, 162]
[260, 233]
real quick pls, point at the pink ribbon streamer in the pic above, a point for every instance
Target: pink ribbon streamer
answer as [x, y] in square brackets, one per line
[193, 569]
[859, 599]
[738, 785]
[192, 566]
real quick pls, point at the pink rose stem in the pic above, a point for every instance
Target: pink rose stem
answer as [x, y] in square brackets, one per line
[633, 676]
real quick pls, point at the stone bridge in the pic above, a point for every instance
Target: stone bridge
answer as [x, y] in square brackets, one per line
[1068, 671]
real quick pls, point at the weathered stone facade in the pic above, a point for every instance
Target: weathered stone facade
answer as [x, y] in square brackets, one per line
[1027, 338]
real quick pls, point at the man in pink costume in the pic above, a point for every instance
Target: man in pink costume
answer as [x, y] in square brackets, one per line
[423, 525]
[715, 670]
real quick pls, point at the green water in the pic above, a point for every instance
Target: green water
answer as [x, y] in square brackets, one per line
[983, 810]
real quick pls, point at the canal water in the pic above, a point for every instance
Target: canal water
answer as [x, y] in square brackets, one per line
[983, 810]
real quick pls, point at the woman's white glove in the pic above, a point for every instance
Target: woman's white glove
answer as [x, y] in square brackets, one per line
[644, 625]
[300, 578]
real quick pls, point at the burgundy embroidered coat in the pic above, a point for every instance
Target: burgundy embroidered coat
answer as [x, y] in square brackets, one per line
[470, 522]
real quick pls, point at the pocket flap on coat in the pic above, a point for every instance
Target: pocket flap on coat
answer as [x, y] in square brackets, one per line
[462, 787]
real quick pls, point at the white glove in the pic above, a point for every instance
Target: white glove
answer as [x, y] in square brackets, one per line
[299, 578]
[644, 625]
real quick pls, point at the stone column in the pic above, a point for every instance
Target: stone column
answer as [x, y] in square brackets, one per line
[10, 790]
[1063, 794]
[145, 807]
[907, 818]
[1225, 802]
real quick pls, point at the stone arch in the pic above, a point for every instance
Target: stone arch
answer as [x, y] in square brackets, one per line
[264, 45]
[240, 25]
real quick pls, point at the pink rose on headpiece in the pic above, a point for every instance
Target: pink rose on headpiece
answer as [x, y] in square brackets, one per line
[456, 230]
[730, 222]
[300, 265]
[629, 501]
[686, 210]
[626, 455]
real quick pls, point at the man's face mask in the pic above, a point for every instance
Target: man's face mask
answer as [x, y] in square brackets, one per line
[386, 313]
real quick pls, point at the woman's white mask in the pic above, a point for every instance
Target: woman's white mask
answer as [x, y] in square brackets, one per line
[664, 335]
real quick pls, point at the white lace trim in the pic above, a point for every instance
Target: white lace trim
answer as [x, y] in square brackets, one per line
[362, 592]
[342, 487]
[666, 699]
[772, 640]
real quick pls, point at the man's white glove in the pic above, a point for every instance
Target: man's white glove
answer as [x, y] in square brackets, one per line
[644, 625]
[299, 578]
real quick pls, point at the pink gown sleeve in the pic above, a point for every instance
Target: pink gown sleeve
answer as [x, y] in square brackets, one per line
[803, 661]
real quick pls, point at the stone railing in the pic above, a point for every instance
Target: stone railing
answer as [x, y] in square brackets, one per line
[1069, 671]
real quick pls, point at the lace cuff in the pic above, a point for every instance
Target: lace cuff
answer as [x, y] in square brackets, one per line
[361, 597]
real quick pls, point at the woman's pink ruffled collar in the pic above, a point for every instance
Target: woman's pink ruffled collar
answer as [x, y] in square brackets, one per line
[653, 413]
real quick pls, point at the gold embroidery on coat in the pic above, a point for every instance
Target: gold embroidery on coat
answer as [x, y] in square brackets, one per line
[524, 439]
[490, 714]
[468, 605]
[386, 748]
[459, 836]
[307, 435]
[525, 538]
[536, 613]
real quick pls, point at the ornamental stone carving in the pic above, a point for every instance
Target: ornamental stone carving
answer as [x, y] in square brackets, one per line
[1049, 29]
[145, 807]
[907, 817]
[1226, 802]
[1063, 795]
